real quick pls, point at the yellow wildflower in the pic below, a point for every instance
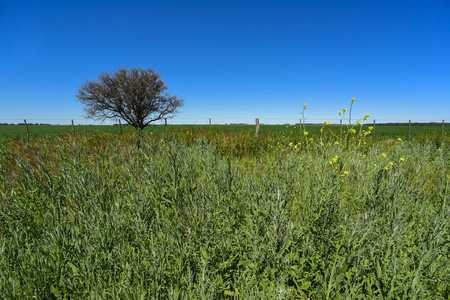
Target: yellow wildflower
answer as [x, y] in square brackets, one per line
[399, 139]
[401, 159]
[353, 99]
[305, 132]
[383, 155]
[344, 109]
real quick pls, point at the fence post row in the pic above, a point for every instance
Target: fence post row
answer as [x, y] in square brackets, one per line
[257, 127]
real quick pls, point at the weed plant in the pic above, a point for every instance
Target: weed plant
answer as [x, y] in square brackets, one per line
[198, 214]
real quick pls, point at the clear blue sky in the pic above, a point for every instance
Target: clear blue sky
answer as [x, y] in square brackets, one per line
[232, 61]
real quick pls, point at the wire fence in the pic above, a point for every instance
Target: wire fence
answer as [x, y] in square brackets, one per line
[220, 121]
[13, 128]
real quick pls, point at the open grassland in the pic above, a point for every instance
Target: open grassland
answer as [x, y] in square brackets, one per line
[382, 131]
[199, 214]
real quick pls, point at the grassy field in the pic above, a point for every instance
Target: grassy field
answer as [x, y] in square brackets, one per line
[199, 214]
[382, 131]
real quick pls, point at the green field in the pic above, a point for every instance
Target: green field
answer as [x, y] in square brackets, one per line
[221, 214]
[382, 131]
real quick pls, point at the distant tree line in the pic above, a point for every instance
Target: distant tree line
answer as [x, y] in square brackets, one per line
[390, 124]
[24, 124]
[414, 124]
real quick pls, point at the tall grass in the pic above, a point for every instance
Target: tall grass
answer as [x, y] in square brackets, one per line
[209, 215]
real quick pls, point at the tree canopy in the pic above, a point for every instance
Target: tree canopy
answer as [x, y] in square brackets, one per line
[136, 95]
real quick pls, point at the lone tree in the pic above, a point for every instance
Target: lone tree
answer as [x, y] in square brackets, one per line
[136, 95]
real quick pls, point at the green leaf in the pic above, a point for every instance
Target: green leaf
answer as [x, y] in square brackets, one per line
[204, 254]
[55, 291]
[73, 267]
[378, 270]
[229, 293]
[305, 285]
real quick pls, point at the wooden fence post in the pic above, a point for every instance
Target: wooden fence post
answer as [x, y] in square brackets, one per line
[165, 122]
[28, 132]
[300, 125]
[443, 127]
[257, 126]
[409, 131]
[373, 129]
[209, 124]
[73, 127]
[120, 125]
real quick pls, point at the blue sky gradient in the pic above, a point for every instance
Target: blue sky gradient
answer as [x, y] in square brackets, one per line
[232, 61]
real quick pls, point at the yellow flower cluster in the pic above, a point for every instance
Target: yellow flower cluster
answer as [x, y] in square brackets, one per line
[334, 160]
[344, 174]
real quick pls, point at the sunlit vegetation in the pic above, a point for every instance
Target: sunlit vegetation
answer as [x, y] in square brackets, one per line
[194, 213]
